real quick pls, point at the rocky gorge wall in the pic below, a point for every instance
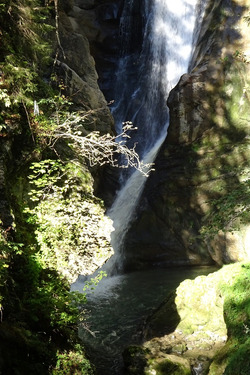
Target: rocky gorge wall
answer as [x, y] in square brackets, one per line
[204, 160]
[205, 155]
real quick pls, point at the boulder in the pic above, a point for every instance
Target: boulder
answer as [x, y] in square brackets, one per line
[200, 330]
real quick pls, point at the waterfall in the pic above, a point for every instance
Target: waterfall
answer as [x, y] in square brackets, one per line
[119, 306]
[148, 72]
[144, 79]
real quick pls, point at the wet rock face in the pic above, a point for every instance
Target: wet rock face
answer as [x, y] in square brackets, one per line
[204, 153]
[87, 30]
[106, 43]
[91, 46]
[99, 22]
[78, 27]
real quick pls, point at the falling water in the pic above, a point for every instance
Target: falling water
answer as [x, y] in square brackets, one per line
[144, 80]
[147, 74]
[120, 304]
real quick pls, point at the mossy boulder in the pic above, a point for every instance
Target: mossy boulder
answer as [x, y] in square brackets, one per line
[170, 365]
[212, 333]
[135, 359]
[139, 361]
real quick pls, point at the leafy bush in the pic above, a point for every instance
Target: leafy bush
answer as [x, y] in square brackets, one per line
[73, 362]
[70, 224]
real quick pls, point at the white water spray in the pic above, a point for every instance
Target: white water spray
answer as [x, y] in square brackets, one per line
[164, 57]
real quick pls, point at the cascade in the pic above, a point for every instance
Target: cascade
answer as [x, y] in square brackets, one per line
[120, 304]
[143, 81]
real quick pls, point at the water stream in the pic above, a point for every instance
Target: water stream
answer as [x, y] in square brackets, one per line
[117, 310]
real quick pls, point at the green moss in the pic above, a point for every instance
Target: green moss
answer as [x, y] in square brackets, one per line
[135, 359]
[135, 350]
[234, 358]
[237, 305]
[239, 360]
[168, 367]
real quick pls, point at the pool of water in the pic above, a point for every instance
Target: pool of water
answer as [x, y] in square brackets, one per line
[118, 307]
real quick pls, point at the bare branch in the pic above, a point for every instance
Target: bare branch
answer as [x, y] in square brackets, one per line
[100, 149]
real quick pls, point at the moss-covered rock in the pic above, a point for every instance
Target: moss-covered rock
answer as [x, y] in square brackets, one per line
[212, 333]
[135, 359]
[170, 365]
[139, 361]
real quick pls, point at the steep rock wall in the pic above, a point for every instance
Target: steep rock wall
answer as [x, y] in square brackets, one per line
[205, 155]
[78, 27]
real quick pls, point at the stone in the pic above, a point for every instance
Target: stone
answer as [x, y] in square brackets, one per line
[204, 156]
[138, 361]
[76, 66]
[170, 365]
[198, 336]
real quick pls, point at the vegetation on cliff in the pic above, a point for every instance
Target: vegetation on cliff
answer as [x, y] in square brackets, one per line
[55, 223]
[39, 316]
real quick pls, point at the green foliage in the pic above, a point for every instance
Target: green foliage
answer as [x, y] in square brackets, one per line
[4, 264]
[230, 210]
[70, 221]
[5, 98]
[235, 356]
[168, 367]
[239, 361]
[54, 109]
[93, 282]
[73, 362]
[39, 314]
[24, 50]
[237, 305]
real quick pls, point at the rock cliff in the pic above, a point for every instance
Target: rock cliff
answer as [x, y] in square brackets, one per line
[203, 164]
[76, 65]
